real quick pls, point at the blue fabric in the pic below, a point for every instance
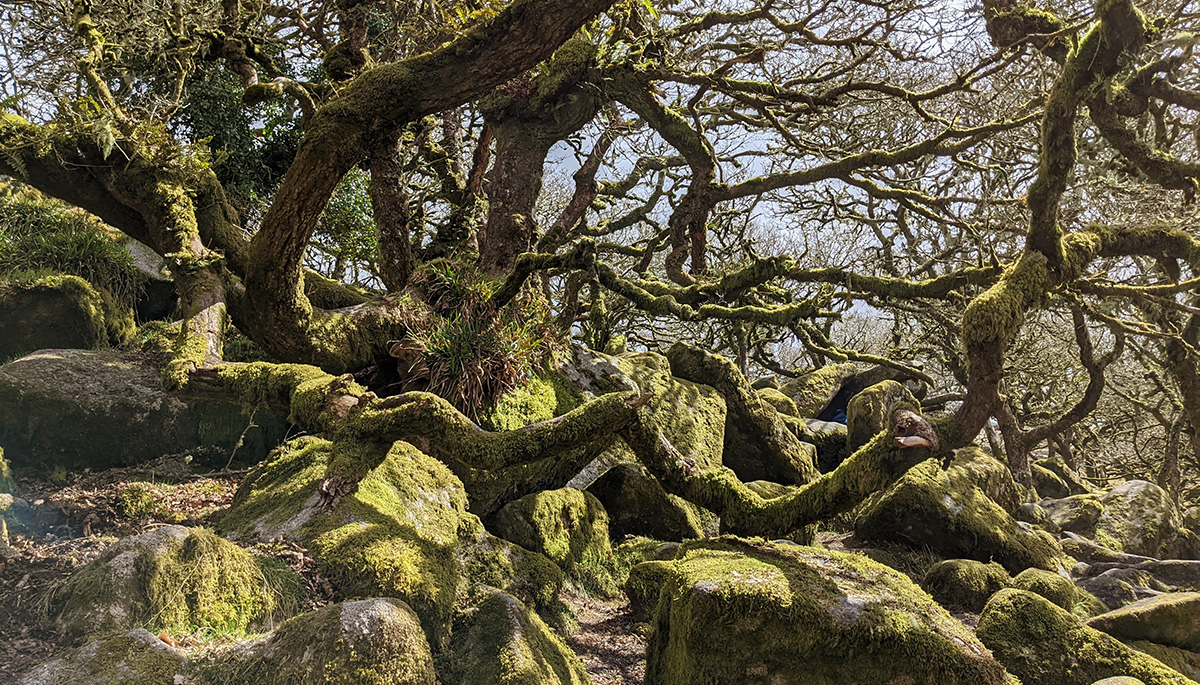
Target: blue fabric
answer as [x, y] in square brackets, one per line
[840, 417]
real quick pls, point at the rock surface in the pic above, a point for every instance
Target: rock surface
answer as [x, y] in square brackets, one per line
[1171, 619]
[637, 504]
[369, 642]
[567, 525]
[956, 513]
[51, 312]
[1041, 643]
[965, 583]
[97, 409]
[133, 658]
[734, 611]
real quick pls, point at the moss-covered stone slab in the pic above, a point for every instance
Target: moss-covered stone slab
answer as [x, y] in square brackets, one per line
[637, 504]
[644, 584]
[52, 311]
[1117, 587]
[404, 532]
[1047, 483]
[374, 641]
[105, 408]
[1076, 485]
[1042, 643]
[175, 579]
[951, 511]
[567, 525]
[503, 642]
[1138, 518]
[1075, 514]
[737, 611]
[1171, 619]
[133, 658]
[870, 411]
[815, 389]
[965, 583]
[1182, 660]
[782, 403]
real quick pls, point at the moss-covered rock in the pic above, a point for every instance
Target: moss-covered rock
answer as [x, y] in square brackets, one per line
[637, 504]
[815, 389]
[567, 525]
[1171, 619]
[1031, 512]
[176, 579]
[405, 532]
[368, 642]
[1047, 483]
[870, 411]
[737, 611]
[50, 311]
[829, 437]
[1138, 518]
[951, 512]
[1050, 585]
[1075, 514]
[1117, 587]
[643, 586]
[782, 403]
[965, 583]
[499, 641]
[133, 658]
[99, 409]
[1182, 660]
[1119, 680]
[1075, 484]
[1041, 643]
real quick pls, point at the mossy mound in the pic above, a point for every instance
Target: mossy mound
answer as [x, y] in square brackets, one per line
[52, 311]
[100, 409]
[782, 403]
[870, 411]
[637, 504]
[176, 579]
[735, 611]
[405, 532]
[1041, 643]
[1171, 619]
[133, 658]
[953, 512]
[1059, 590]
[1076, 485]
[567, 525]
[363, 642]
[499, 641]
[1117, 587]
[965, 583]
[1075, 514]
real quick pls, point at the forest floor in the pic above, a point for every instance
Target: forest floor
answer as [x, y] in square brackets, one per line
[81, 515]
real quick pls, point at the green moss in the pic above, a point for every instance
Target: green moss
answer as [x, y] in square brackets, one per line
[813, 391]
[870, 412]
[504, 643]
[567, 525]
[6, 480]
[136, 657]
[1047, 483]
[747, 611]
[48, 310]
[643, 586]
[370, 641]
[1050, 585]
[1041, 643]
[174, 579]
[965, 583]
[782, 403]
[139, 501]
[1182, 660]
[950, 513]
[639, 505]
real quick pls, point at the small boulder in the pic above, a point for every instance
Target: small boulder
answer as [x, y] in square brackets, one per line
[502, 641]
[176, 579]
[637, 504]
[1050, 585]
[870, 411]
[1119, 680]
[1047, 483]
[1171, 619]
[1117, 587]
[954, 513]
[965, 583]
[643, 586]
[737, 611]
[100, 409]
[1058, 467]
[1041, 643]
[133, 658]
[782, 403]
[1182, 660]
[1075, 514]
[567, 525]
[813, 391]
[368, 641]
